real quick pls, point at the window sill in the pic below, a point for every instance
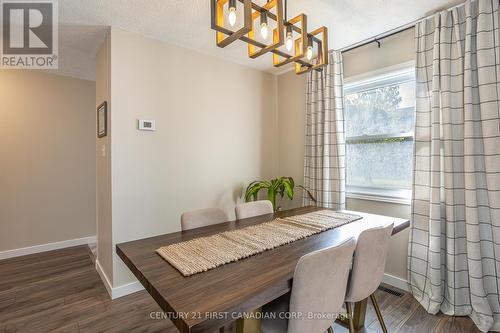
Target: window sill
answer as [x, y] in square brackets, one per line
[401, 197]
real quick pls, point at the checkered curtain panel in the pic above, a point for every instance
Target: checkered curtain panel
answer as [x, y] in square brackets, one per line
[324, 161]
[454, 248]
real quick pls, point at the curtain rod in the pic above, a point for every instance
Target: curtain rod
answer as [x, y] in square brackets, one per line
[392, 32]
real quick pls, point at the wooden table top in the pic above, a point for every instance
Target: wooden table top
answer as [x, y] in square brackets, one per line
[208, 300]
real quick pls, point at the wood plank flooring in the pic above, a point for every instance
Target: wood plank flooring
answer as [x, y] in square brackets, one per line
[60, 291]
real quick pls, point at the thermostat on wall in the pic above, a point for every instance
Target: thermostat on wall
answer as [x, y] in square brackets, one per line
[147, 125]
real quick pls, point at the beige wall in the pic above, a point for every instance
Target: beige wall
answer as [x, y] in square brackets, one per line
[216, 123]
[47, 169]
[291, 118]
[103, 162]
[395, 50]
[210, 115]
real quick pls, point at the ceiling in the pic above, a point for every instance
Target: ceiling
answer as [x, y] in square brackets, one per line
[84, 24]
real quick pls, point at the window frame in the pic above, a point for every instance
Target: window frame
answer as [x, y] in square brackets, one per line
[382, 78]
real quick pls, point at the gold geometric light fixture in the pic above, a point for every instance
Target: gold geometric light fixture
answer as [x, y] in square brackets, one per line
[273, 12]
[265, 28]
[322, 55]
[224, 36]
[299, 49]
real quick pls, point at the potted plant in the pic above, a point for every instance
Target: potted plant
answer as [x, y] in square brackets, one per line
[274, 187]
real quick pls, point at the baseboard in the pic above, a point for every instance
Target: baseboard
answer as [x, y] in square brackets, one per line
[127, 289]
[104, 278]
[46, 247]
[395, 282]
[120, 291]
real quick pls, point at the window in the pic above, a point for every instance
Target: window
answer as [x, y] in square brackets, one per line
[379, 120]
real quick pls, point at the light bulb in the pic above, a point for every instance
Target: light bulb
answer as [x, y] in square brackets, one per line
[289, 43]
[309, 53]
[289, 39]
[232, 16]
[232, 12]
[263, 30]
[263, 25]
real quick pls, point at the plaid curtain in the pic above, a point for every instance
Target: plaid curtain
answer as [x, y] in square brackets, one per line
[324, 161]
[455, 232]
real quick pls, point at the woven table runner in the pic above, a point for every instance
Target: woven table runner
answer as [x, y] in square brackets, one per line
[204, 253]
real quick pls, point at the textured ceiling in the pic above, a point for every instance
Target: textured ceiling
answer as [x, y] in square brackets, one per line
[84, 24]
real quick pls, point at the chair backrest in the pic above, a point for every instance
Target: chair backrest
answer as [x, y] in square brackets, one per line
[319, 285]
[202, 217]
[253, 208]
[369, 263]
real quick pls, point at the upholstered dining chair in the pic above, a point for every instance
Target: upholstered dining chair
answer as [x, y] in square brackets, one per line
[253, 208]
[319, 285]
[368, 270]
[202, 217]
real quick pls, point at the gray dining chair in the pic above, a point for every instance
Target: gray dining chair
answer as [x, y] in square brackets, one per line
[368, 270]
[319, 285]
[202, 217]
[253, 208]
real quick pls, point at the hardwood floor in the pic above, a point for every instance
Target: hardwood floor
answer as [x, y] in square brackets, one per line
[404, 315]
[60, 291]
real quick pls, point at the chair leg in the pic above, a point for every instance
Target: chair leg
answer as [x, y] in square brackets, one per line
[379, 314]
[349, 317]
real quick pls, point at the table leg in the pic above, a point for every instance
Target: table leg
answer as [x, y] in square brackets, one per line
[359, 314]
[249, 325]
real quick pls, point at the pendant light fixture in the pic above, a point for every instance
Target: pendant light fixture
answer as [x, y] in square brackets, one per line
[270, 13]
[223, 35]
[321, 59]
[298, 44]
[298, 24]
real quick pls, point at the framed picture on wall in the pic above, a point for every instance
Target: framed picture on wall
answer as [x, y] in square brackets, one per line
[102, 120]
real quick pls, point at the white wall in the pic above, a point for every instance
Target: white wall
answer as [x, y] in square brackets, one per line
[395, 50]
[47, 174]
[216, 123]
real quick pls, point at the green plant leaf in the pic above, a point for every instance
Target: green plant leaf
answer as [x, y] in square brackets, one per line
[311, 196]
[277, 186]
[253, 189]
[250, 190]
[271, 195]
[288, 187]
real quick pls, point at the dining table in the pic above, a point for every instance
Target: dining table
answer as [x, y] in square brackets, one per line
[206, 301]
